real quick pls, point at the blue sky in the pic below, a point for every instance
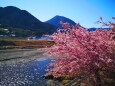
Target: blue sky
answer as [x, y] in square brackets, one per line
[87, 12]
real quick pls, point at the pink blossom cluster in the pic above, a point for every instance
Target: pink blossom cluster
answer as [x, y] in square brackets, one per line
[80, 52]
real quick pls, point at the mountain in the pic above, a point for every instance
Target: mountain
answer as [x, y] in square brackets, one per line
[14, 18]
[93, 29]
[56, 21]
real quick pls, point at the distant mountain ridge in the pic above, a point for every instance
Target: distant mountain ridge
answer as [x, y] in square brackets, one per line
[14, 17]
[56, 21]
[93, 29]
[21, 23]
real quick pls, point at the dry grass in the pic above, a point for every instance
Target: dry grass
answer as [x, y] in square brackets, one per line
[20, 44]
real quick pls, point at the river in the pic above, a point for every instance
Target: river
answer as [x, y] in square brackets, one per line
[25, 71]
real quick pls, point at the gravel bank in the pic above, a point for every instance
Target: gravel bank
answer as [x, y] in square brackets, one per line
[6, 55]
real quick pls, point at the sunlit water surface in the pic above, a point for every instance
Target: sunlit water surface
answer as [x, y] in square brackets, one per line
[24, 74]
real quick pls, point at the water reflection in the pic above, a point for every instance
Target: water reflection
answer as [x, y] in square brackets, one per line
[24, 74]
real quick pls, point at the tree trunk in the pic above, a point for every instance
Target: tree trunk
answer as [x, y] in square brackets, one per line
[98, 78]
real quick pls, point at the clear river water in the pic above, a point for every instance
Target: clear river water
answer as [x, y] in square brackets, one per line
[24, 73]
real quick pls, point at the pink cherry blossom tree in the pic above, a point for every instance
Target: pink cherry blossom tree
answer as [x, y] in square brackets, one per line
[82, 53]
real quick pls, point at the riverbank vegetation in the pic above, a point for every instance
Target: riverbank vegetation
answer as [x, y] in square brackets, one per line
[24, 44]
[86, 56]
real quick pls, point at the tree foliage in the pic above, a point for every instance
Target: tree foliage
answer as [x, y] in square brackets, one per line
[82, 53]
